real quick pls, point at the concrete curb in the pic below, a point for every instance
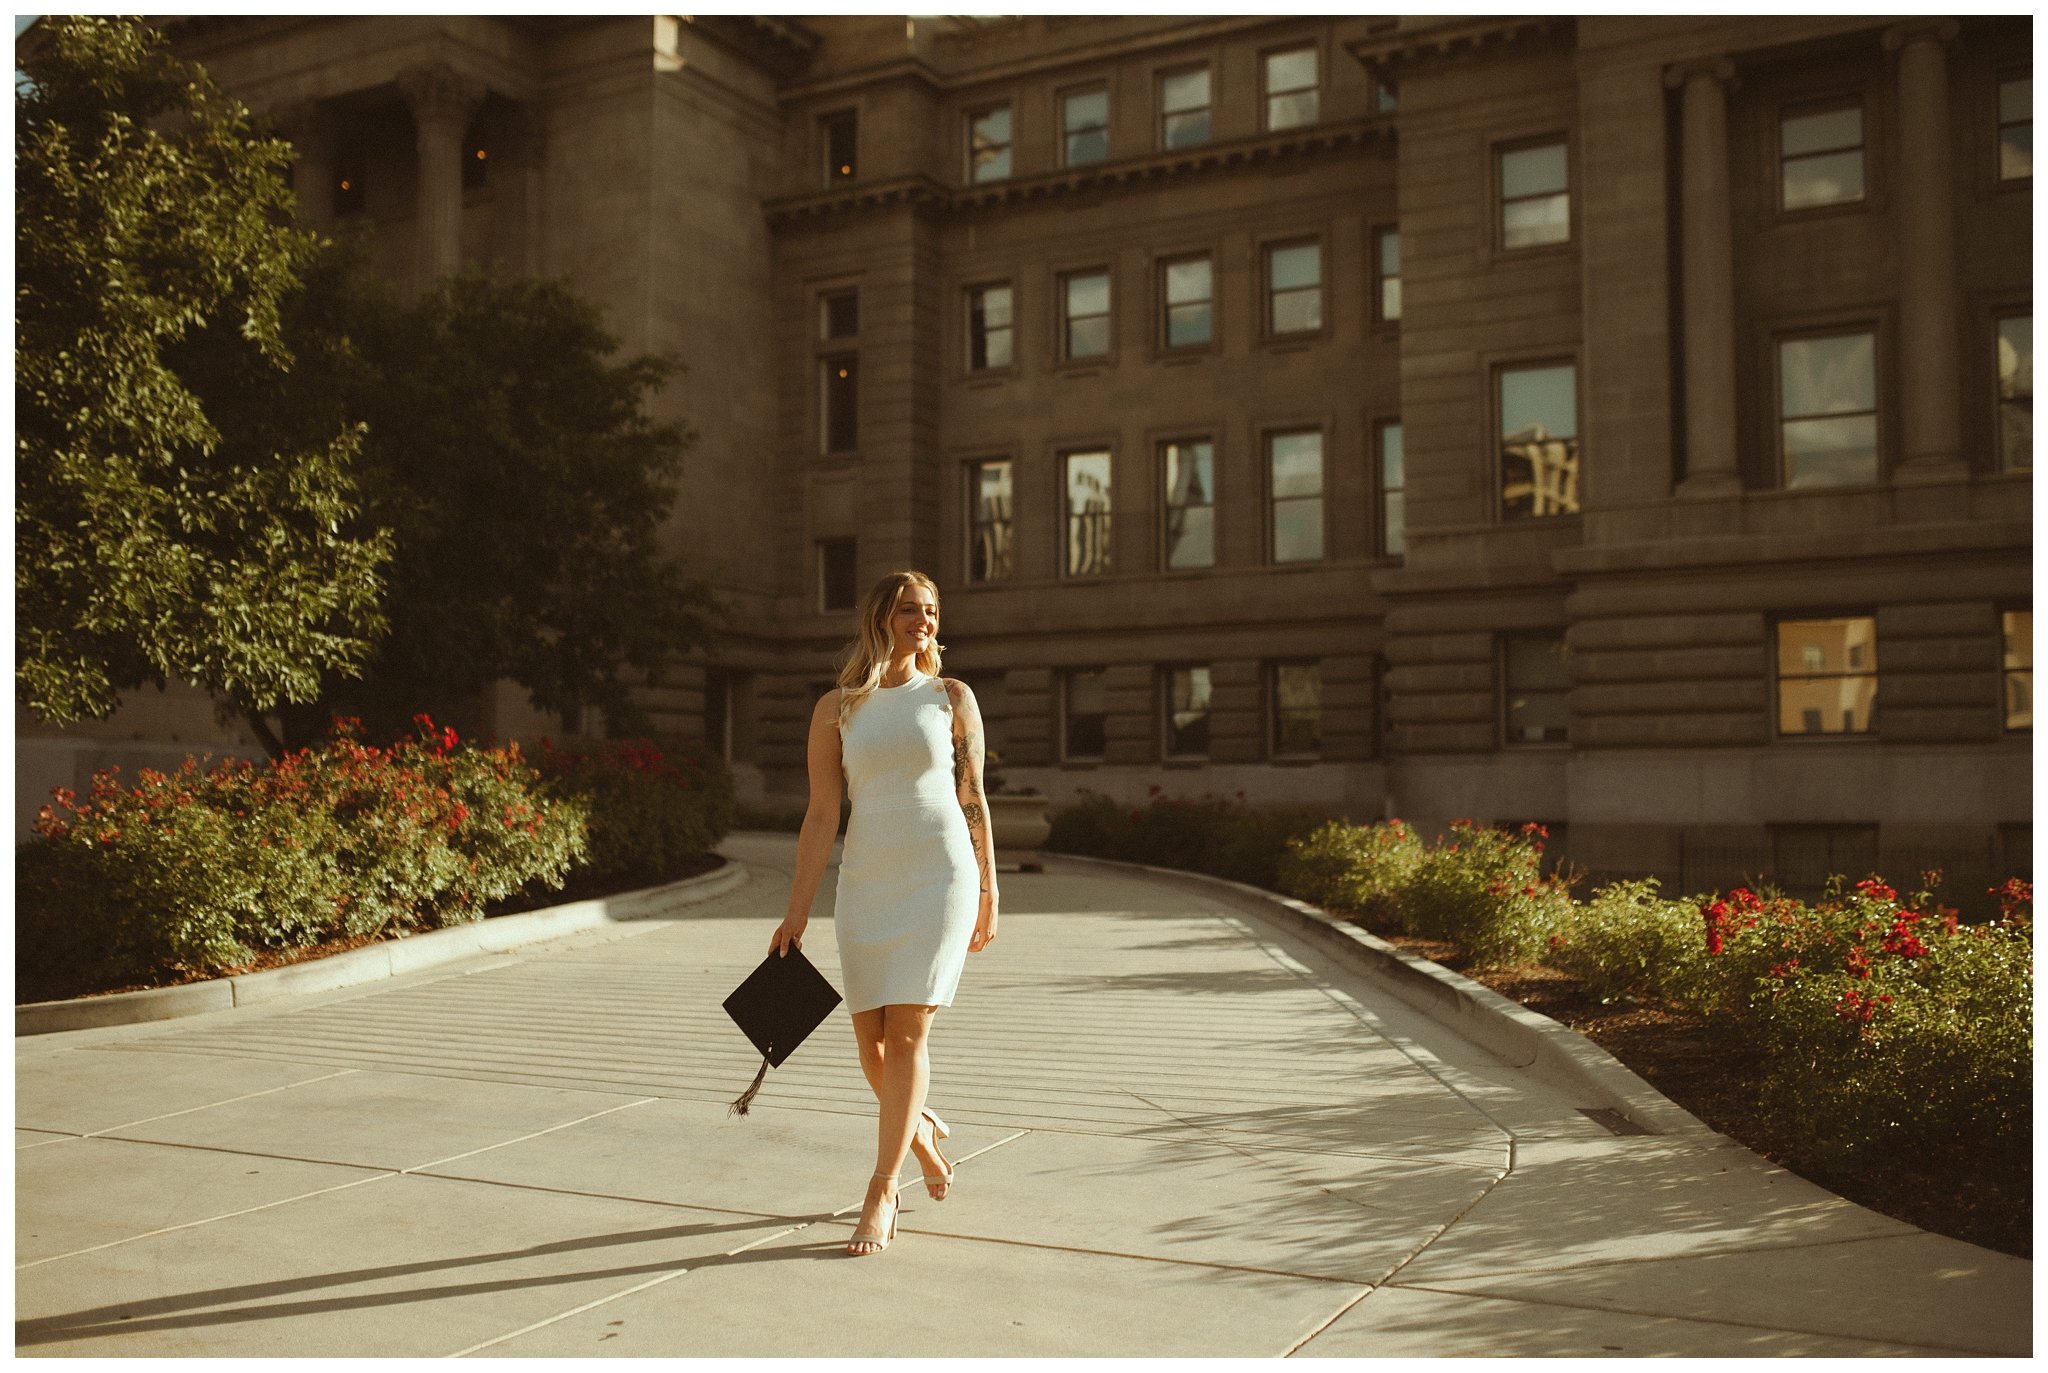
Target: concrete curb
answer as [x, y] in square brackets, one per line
[373, 962]
[1506, 1029]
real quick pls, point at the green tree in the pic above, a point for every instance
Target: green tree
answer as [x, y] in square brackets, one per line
[151, 230]
[526, 486]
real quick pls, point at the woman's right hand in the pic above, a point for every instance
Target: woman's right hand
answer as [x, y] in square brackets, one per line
[789, 933]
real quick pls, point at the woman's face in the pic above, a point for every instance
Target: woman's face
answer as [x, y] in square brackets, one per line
[914, 623]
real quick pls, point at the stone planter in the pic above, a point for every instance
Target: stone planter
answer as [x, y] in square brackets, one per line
[1017, 826]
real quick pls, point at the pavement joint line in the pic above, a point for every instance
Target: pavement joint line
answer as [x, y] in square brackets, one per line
[573, 1311]
[380, 1175]
[1335, 1316]
[225, 1101]
[1675, 1316]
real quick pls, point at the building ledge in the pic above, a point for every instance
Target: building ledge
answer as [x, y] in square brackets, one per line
[1387, 55]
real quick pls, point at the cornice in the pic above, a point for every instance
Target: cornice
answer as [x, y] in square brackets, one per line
[1387, 55]
[1208, 159]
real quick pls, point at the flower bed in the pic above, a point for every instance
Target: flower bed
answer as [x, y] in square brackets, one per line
[656, 807]
[1218, 836]
[201, 871]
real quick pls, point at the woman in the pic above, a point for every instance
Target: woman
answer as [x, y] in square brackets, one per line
[917, 878]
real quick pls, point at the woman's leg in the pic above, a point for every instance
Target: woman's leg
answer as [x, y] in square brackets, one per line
[906, 1070]
[870, 1033]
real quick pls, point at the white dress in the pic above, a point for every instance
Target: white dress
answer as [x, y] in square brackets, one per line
[909, 888]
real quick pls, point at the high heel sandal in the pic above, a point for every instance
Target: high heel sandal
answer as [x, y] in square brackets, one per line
[880, 1241]
[937, 1185]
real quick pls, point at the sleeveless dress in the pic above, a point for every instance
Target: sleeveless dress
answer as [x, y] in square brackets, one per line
[909, 888]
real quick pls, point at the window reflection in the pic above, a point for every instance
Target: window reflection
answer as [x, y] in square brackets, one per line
[1827, 408]
[1536, 683]
[1190, 475]
[1087, 311]
[1290, 88]
[2016, 392]
[1085, 118]
[1187, 711]
[2016, 128]
[1393, 492]
[1295, 471]
[1535, 199]
[1297, 708]
[2017, 627]
[988, 145]
[1184, 108]
[989, 554]
[1539, 414]
[1087, 514]
[1838, 696]
[1294, 276]
[1821, 157]
[1190, 294]
[1388, 269]
[989, 328]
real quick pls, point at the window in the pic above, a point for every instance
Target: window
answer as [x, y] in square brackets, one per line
[1187, 712]
[1189, 291]
[2016, 393]
[1535, 199]
[840, 133]
[1297, 709]
[1290, 88]
[1837, 697]
[1084, 117]
[1535, 681]
[1539, 443]
[1393, 489]
[1294, 285]
[988, 145]
[1820, 157]
[350, 165]
[839, 403]
[1190, 478]
[1085, 302]
[1386, 269]
[988, 521]
[2016, 128]
[2018, 629]
[839, 314]
[1084, 710]
[1295, 464]
[1383, 98]
[1087, 483]
[836, 574]
[1827, 410]
[1184, 108]
[989, 327]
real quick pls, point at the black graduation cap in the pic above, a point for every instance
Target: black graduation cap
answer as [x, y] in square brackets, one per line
[777, 1007]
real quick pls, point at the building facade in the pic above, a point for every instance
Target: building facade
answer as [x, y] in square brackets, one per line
[1619, 423]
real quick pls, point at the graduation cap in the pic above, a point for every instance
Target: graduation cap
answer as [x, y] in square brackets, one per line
[777, 1007]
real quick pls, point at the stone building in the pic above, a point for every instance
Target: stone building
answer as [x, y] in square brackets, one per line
[1620, 423]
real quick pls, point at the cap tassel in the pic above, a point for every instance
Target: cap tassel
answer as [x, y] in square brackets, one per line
[745, 1099]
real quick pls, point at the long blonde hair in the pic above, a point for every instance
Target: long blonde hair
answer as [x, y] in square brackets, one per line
[862, 660]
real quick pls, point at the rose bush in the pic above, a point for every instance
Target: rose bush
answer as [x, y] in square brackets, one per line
[656, 807]
[1224, 837]
[195, 872]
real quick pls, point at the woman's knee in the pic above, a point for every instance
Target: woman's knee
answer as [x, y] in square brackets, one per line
[906, 1028]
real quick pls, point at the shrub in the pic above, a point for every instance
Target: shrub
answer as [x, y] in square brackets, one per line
[1218, 836]
[1484, 888]
[1361, 868]
[656, 808]
[195, 872]
[1625, 940]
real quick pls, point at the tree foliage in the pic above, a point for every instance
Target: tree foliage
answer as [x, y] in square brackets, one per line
[524, 482]
[152, 240]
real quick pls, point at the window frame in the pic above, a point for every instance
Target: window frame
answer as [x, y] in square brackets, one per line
[1501, 640]
[1266, 92]
[2006, 672]
[1501, 149]
[1166, 508]
[1500, 368]
[1796, 106]
[1268, 336]
[1777, 675]
[1998, 401]
[1160, 76]
[1064, 335]
[1066, 454]
[1845, 328]
[1999, 124]
[825, 299]
[968, 294]
[1065, 697]
[826, 162]
[1376, 239]
[1268, 433]
[1163, 344]
[1066, 134]
[1271, 694]
[971, 481]
[1377, 428]
[1167, 753]
[1009, 146]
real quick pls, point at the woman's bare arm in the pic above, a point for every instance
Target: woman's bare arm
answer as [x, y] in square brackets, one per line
[821, 821]
[969, 752]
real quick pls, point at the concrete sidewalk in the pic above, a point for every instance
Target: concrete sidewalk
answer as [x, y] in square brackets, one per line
[1181, 1131]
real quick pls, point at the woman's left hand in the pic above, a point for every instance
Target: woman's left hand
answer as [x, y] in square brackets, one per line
[984, 924]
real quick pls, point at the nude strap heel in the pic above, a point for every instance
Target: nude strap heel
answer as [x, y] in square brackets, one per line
[880, 1242]
[937, 1185]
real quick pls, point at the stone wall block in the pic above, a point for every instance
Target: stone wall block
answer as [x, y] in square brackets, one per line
[1938, 655]
[1443, 738]
[1449, 705]
[1440, 648]
[1676, 698]
[1700, 730]
[1945, 620]
[1898, 724]
[1424, 679]
[1968, 690]
[1738, 661]
[1666, 631]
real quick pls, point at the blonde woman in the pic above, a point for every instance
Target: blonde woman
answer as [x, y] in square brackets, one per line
[917, 877]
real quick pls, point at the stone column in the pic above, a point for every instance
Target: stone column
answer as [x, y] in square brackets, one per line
[1708, 273]
[525, 139]
[1930, 376]
[443, 101]
[310, 128]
